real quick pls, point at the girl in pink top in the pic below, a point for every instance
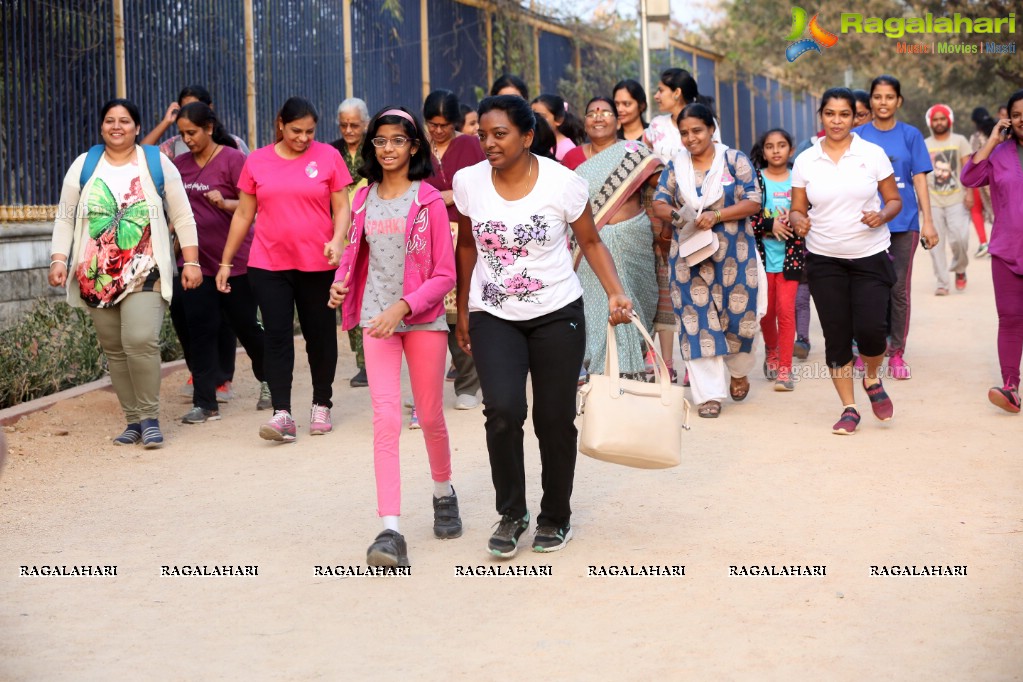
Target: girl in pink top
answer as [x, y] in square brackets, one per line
[298, 187]
[568, 129]
[397, 267]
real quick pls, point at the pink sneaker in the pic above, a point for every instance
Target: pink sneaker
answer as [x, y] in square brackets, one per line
[846, 425]
[858, 365]
[1006, 398]
[880, 403]
[898, 367]
[280, 428]
[319, 420]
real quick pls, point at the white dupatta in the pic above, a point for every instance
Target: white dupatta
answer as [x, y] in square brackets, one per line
[693, 244]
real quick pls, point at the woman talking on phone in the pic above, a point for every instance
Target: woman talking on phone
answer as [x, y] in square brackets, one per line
[999, 164]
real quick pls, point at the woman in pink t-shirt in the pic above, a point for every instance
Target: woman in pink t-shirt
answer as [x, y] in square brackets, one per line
[297, 186]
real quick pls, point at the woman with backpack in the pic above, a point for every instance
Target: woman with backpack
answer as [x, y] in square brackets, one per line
[117, 249]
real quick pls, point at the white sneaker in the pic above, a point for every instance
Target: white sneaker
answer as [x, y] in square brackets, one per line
[466, 401]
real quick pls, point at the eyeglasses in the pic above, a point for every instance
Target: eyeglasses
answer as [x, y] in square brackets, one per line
[600, 113]
[398, 142]
[438, 126]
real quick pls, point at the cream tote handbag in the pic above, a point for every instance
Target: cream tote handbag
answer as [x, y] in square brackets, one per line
[629, 422]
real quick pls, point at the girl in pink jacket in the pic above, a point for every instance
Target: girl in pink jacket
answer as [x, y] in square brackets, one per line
[392, 279]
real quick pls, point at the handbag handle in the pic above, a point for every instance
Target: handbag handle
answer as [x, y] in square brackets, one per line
[614, 379]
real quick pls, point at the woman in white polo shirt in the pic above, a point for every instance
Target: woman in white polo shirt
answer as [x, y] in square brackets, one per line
[520, 311]
[847, 267]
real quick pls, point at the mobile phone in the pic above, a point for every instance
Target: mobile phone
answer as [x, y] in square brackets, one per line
[1004, 132]
[923, 243]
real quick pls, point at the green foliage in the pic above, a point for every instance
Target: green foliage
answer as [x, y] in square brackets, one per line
[54, 347]
[752, 36]
[394, 8]
[513, 44]
[51, 348]
[600, 67]
[170, 347]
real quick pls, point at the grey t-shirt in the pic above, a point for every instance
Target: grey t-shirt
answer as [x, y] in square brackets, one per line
[385, 237]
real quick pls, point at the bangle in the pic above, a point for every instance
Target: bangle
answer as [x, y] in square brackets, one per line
[192, 264]
[62, 262]
[227, 265]
[717, 215]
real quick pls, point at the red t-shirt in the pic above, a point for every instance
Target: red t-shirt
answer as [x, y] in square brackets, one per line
[574, 158]
[293, 206]
[464, 151]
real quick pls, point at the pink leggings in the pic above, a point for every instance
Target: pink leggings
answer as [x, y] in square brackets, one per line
[426, 353]
[1009, 304]
[779, 324]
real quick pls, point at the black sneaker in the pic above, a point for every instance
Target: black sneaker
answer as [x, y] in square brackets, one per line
[551, 538]
[389, 549]
[504, 542]
[446, 522]
[359, 380]
[200, 415]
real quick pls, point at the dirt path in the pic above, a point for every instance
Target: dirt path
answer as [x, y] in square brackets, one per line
[766, 484]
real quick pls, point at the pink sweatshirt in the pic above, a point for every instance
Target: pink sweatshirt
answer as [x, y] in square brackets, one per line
[429, 259]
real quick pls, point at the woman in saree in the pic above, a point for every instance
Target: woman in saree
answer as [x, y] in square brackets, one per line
[616, 171]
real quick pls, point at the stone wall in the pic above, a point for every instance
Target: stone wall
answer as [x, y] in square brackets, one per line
[24, 267]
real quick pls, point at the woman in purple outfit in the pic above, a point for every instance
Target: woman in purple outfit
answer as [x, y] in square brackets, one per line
[999, 164]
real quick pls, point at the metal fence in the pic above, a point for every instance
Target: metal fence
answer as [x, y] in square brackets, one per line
[59, 66]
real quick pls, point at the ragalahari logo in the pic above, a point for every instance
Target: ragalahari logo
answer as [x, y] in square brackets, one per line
[818, 36]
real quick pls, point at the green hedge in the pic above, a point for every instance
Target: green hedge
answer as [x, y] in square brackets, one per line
[54, 347]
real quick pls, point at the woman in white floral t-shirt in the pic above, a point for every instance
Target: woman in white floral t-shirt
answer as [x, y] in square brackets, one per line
[520, 311]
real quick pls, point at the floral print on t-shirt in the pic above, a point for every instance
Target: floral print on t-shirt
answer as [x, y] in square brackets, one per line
[119, 254]
[500, 251]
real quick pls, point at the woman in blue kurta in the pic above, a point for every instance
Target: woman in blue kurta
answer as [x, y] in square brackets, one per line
[706, 193]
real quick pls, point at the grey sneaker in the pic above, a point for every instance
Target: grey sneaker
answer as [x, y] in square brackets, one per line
[446, 522]
[466, 401]
[389, 549]
[200, 415]
[224, 392]
[504, 542]
[551, 538]
[264, 402]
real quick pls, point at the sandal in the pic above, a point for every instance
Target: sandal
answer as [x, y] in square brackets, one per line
[709, 410]
[738, 388]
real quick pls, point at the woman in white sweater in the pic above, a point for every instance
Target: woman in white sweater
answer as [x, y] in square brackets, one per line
[112, 248]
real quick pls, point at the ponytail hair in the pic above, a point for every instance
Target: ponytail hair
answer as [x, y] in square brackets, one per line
[680, 79]
[202, 115]
[568, 123]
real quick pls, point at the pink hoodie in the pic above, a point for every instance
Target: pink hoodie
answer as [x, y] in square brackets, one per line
[429, 259]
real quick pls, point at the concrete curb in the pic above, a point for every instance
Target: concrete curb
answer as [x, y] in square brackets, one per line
[12, 414]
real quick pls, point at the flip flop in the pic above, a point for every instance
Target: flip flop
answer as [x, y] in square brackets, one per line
[709, 410]
[738, 388]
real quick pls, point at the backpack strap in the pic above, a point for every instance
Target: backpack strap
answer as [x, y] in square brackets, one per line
[92, 158]
[152, 153]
